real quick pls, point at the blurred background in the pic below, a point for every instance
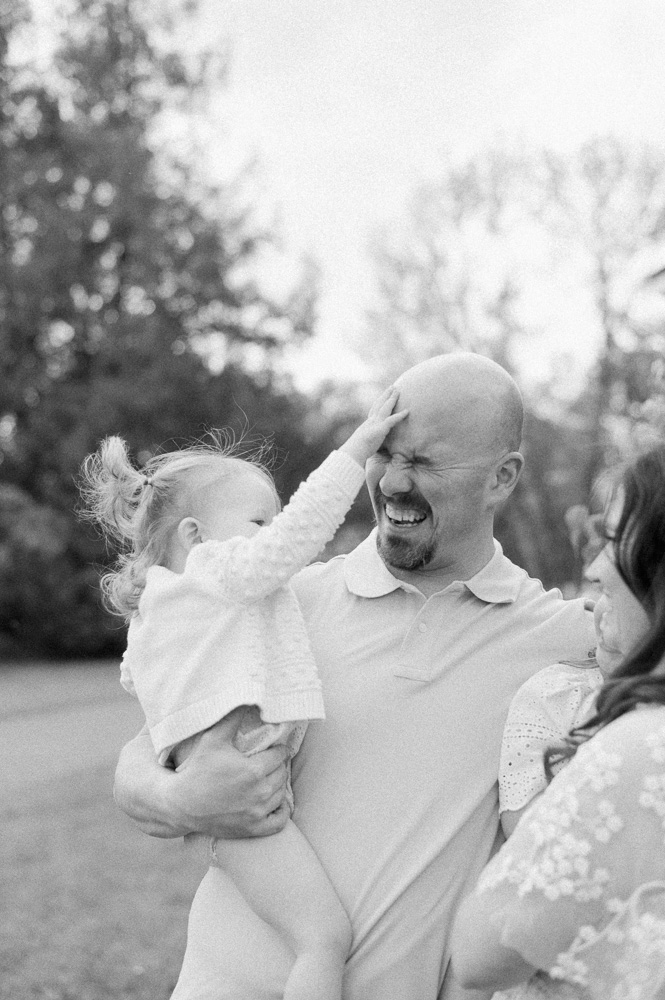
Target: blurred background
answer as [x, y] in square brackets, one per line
[158, 277]
[253, 214]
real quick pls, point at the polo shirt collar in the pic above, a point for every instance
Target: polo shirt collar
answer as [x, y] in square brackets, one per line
[366, 575]
[498, 582]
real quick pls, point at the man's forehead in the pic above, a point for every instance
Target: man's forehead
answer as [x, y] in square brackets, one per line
[420, 437]
[441, 435]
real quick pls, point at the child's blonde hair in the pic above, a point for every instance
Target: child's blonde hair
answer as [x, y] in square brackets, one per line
[138, 508]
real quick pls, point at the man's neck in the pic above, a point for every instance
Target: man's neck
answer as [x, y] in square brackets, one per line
[433, 579]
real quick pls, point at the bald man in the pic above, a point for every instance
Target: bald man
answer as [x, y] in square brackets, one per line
[422, 635]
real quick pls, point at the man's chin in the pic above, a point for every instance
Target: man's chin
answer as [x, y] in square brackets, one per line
[403, 553]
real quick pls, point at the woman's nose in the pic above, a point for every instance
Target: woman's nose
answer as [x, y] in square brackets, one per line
[395, 479]
[593, 572]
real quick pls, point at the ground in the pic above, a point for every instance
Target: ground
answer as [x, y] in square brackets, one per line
[91, 908]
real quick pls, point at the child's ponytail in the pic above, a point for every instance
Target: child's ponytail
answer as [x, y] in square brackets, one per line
[111, 489]
[116, 498]
[138, 509]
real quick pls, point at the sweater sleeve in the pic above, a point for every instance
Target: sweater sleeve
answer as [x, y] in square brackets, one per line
[249, 569]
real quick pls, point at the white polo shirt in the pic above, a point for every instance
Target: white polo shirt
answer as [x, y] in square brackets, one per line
[397, 789]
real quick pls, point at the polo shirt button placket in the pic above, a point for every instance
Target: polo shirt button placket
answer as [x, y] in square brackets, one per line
[414, 653]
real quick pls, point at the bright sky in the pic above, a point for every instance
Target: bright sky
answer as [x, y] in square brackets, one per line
[347, 103]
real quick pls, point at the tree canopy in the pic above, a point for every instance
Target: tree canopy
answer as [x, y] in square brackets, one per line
[480, 244]
[121, 274]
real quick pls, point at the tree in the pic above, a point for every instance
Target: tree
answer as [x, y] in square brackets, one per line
[122, 276]
[481, 249]
[606, 208]
[446, 277]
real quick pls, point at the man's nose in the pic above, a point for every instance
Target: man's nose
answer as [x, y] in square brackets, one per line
[395, 479]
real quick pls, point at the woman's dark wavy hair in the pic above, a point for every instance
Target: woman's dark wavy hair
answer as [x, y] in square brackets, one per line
[639, 553]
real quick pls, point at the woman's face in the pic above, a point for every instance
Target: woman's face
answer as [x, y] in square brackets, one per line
[620, 620]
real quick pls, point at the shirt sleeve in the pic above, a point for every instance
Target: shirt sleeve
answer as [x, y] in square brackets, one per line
[579, 889]
[541, 714]
[251, 568]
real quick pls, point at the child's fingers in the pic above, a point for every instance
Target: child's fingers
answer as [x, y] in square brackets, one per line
[385, 403]
[396, 418]
[390, 391]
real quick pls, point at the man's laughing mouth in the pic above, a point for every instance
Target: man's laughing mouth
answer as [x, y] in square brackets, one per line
[402, 543]
[403, 516]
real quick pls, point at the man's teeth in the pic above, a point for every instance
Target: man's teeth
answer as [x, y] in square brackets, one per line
[404, 516]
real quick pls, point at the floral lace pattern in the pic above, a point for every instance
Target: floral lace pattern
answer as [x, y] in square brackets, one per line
[653, 790]
[579, 889]
[564, 863]
[626, 960]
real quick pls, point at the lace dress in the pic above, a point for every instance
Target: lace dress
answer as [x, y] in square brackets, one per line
[579, 889]
[541, 714]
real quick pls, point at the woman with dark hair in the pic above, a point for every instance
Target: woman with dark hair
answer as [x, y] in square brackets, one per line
[574, 903]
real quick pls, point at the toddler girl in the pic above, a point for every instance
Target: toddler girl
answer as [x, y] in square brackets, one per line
[215, 632]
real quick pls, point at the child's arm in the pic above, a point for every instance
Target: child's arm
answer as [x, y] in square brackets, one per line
[251, 568]
[511, 817]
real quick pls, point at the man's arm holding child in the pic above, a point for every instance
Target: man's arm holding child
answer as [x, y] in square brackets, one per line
[217, 790]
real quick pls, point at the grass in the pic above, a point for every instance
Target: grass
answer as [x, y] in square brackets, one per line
[91, 908]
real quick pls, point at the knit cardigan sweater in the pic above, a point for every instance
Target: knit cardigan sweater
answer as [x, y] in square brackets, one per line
[228, 631]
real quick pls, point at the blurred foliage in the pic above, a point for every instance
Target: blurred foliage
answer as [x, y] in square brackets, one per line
[129, 304]
[123, 281]
[483, 241]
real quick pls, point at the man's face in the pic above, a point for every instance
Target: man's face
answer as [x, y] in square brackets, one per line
[428, 497]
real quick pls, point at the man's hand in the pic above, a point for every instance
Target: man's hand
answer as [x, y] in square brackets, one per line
[216, 791]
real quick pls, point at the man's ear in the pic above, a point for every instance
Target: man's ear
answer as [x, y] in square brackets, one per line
[189, 533]
[507, 474]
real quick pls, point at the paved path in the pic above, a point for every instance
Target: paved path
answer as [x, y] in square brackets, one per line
[59, 720]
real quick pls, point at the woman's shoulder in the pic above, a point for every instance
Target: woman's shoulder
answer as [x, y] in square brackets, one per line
[639, 733]
[626, 751]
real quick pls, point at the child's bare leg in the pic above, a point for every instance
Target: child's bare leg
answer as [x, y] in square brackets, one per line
[283, 881]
